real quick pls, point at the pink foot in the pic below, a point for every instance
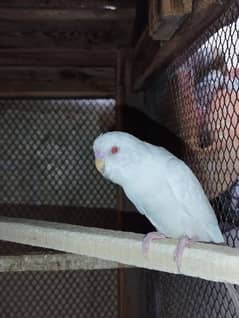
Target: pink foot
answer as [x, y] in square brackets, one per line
[148, 238]
[182, 243]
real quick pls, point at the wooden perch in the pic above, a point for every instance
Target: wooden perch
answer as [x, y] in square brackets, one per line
[53, 262]
[207, 261]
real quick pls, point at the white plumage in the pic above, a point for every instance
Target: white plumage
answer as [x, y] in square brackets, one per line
[159, 184]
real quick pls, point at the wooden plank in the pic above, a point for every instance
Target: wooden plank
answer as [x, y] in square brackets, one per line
[111, 4]
[71, 27]
[176, 7]
[166, 16]
[57, 90]
[55, 73]
[203, 15]
[58, 58]
[110, 37]
[208, 261]
[60, 15]
[145, 50]
[53, 262]
[59, 24]
[22, 81]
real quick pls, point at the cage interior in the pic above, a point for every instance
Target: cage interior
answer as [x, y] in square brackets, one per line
[55, 102]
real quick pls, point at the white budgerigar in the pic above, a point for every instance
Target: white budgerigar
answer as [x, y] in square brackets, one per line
[161, 186]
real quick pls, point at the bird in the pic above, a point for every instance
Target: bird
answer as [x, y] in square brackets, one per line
[161, 186]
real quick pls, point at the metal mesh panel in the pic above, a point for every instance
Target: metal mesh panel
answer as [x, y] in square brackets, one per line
[169, 295]
[59, 294]
[47, 172]
[204, 86]
[46, 152]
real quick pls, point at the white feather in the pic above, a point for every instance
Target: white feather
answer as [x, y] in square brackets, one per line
[161, 186]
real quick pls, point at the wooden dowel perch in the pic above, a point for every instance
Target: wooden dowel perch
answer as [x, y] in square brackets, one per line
[207, 261]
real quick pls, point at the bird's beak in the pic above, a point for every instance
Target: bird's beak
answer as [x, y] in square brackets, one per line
[100, 165]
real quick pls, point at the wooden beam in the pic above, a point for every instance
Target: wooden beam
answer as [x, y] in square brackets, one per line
[59, 24]
[165, 17]
[207, 261]
[53, 262]
[145, 50]
[66, 24]
[58, 90]
[203, 14]
[109, 36]
[89, 4]
[67, 14]
[70, 27]
[61, 81]
[58, 58]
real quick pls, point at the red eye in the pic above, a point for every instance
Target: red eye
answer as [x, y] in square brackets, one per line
[114, 150]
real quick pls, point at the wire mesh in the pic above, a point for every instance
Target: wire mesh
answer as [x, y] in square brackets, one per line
[46, 152]
[59, 294]
[169, 295]
[204, 87]
[47, 172]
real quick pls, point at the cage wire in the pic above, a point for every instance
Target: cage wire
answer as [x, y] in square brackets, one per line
[204, 86]
[48, 173]
[59, 294]
[47, 156]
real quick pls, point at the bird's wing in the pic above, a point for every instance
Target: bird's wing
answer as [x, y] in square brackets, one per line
[134, 199]
[188, 192]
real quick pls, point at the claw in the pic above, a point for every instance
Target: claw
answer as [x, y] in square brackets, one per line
[148, 238]
[182, 243]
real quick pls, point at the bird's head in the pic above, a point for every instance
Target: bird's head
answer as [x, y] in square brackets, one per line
[116, 154]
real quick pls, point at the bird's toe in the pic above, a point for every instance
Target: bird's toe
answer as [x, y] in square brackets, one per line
[147, 240]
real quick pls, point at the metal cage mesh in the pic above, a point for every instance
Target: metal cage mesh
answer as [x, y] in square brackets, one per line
[59, 294]
[203, 84]
[46, 152]
[171, 295]
[47, 172]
